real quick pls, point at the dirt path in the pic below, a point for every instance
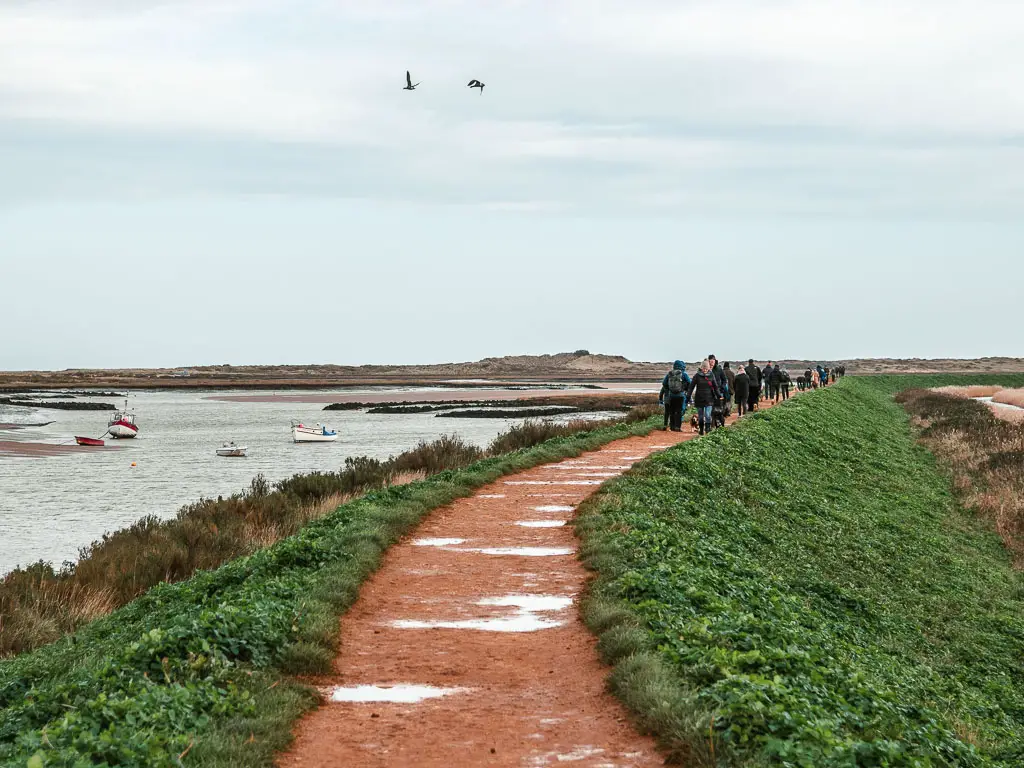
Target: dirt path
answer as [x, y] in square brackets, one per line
[475, 616]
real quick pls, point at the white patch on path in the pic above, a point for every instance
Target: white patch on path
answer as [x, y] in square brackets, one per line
[606, 466]
[523, 622]
[526, 618]
[521, 551]
[552, 482]
[401, 693]
[540, 523]
[437, 542]
[490, 496]
[532, 603]
[554, 508]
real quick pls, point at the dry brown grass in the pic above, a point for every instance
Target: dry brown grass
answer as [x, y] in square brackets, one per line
[998, 395]
[984, 454]
[1010, 397]
[971, 390]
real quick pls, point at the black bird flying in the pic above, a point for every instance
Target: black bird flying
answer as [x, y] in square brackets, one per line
[476, 84]
[409, 86]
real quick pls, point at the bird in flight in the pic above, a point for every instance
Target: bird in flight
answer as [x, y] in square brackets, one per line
[409, 85]
[476, 84]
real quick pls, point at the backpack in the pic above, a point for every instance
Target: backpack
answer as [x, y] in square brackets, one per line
[786, 377]
[675, 381]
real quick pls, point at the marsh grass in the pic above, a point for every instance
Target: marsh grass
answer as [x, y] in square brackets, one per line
[983, 453]
[1010, 397]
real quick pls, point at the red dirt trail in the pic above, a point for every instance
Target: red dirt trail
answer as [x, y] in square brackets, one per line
[533, 697]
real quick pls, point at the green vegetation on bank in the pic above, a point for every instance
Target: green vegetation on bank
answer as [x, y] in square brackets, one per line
[803, 590]
[196, 672]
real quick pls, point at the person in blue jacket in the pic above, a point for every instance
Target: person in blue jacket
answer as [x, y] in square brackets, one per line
[673, 395]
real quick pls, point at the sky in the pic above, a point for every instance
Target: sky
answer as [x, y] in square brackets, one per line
[187, 182]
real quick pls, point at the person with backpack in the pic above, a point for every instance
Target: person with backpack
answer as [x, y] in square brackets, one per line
[807, 379]
[674, 388]
[730, 380]
[741, 390]
[720, 379]
[703, 393]
[754, 376]
[784, 382]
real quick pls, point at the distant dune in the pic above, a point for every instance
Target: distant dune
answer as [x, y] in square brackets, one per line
[578, 367]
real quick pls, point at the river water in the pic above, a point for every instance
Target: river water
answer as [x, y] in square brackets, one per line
[52, 505]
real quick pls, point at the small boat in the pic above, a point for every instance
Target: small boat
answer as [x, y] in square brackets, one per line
[318, 434]
[93, 441]
[232, 450]
[122, 424]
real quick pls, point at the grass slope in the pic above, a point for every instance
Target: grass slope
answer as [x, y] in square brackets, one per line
[196, 672]
[803, 590]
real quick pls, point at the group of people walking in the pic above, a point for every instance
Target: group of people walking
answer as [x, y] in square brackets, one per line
[819, 376]
[714, 388]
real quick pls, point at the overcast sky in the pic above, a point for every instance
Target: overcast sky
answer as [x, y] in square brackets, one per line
[245, 181]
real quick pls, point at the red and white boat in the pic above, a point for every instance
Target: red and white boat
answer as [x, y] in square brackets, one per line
[122, 424]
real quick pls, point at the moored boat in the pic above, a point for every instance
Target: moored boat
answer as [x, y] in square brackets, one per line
[232, 450]
[318, 434]
[122, 424]
[91, 441]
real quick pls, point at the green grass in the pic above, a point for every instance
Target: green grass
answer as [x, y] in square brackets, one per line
[803, 590]
[197, 672]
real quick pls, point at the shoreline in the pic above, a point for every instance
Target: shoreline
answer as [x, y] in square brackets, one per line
[393, 396]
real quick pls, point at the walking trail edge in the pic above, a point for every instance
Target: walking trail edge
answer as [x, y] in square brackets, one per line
[466, 647]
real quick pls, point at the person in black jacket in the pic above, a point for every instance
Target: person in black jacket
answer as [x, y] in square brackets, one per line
[741, 389]
[754, 375]
[730, 380]
[703, 394]
[766, 381]
[720, 379]
[775, 383]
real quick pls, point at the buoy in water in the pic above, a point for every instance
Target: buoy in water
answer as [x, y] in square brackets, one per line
[133, 463]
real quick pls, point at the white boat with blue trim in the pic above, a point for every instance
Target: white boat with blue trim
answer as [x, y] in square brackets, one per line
[318, 434]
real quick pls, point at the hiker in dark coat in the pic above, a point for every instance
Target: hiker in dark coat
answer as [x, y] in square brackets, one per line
[730, 377]
[720, 378]
[785, 383]
[741, 389]
[673, 395]
[775, 382]
[754, 375]
[703, 394]
[766, 381]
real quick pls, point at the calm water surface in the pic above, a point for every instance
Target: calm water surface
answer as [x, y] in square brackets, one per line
[50, 506]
